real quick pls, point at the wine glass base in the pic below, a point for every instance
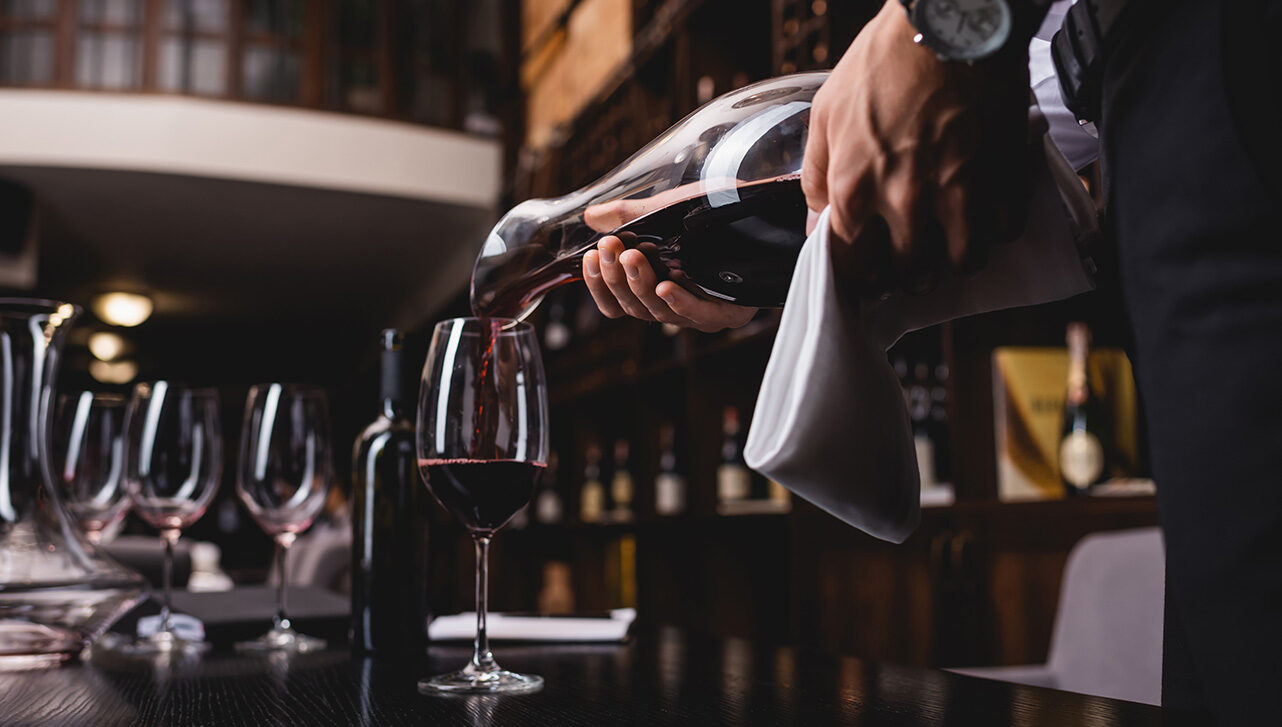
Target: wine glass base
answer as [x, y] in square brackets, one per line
[162, 642]
[472, 680]
[283, 640]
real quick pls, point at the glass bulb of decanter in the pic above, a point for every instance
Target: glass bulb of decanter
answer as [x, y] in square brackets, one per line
[714, 203]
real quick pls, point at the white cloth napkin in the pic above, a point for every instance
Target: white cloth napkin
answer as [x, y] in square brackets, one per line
[831, 423]
[503, 627]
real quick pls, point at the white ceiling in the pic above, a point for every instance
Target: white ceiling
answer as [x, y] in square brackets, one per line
[227, 250]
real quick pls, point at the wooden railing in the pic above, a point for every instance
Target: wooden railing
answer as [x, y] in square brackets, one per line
[390, 58]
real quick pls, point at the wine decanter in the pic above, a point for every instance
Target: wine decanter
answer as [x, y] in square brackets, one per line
[57, 592]
[714, 202]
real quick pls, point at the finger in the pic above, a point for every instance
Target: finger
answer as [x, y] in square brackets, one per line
[917, 239]
[642, 282]
[616, 278]
[601, 295]
[850, 199]
[963, 233]
[865, 265]
[705, 315]
[814, 162]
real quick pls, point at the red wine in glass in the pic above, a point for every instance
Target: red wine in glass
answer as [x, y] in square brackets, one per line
[482, 494]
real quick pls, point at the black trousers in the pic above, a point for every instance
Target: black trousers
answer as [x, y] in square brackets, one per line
[1190, 134]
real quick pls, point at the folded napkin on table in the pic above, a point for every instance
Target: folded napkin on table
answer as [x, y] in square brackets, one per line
[831, 423]
[509, 627]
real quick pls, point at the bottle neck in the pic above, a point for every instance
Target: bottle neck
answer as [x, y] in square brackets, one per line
[393, 408]
[391, 388]
[1079, 389]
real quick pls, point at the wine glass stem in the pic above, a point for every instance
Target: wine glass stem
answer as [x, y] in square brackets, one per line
[281, 622]
[166, 579]
[481, 656]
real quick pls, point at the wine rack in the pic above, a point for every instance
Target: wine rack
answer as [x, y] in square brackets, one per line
[946, 596]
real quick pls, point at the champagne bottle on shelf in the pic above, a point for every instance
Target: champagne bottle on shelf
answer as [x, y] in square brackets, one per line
[548, 507]
[1083, 449]
[389, 528]
[592, 496]
[621, 484]
[734, 479]
[669, 485]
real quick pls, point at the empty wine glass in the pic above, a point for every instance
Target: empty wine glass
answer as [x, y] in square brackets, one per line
[89, 460]
[482, 447]
[283, 479]
[174, 461]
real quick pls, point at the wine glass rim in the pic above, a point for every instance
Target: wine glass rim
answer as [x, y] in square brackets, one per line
[471, 325]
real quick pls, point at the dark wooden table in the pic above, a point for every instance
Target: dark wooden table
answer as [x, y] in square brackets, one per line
[661, 678]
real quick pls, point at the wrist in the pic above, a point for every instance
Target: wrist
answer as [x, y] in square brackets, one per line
[972, 30]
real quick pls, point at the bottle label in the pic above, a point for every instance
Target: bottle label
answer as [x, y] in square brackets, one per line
[548, 507]
[777, 492]
[592, 502]
[734, 482]
[669, 494]
[1081, 459]
[621, 490]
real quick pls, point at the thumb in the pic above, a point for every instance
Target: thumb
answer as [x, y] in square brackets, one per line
[814, 164]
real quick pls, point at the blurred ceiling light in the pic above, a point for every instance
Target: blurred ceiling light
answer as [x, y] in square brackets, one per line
[122, 309]
[106, 346]
[113, 372]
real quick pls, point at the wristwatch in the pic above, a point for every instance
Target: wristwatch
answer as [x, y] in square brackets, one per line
[961, 30]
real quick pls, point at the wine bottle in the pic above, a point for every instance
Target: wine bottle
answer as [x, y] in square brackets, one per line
[556, 332]
[621, 484]
[547, 506]
[919, 414]
[669, 485]
[734, 479]
[592, 496]
[389, 528]
[1083, 453]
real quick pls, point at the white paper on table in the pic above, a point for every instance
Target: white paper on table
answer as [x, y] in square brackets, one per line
[502, 627]
[831, 423]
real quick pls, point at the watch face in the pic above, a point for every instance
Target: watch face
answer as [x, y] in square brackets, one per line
[962, 29]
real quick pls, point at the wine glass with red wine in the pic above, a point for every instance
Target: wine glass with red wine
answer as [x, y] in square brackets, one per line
[482, 447]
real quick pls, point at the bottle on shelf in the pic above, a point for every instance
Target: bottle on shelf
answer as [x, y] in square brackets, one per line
[1083, 449]
[592, 496]
[919, 405]
[556, 331]
[621, 484]
[939, 422]
[556, 598]
[669, 485]
[548, 508]
[778, 496]
[389, 529]
[734, 479]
